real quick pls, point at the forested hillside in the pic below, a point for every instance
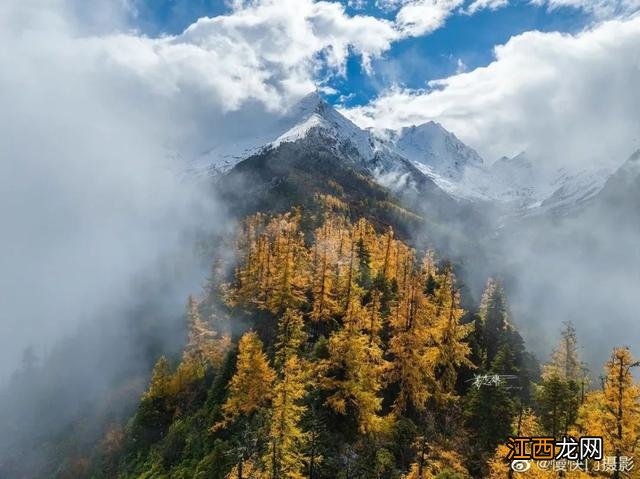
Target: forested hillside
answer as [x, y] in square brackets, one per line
[327, 347]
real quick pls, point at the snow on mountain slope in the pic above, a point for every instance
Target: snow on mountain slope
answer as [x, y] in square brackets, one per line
[531, 189]
[434, 147]
[314, 121]
[314, 113]
[574, 189]
[311, 113]
[630, 169]
[394, 158]
[442, 157]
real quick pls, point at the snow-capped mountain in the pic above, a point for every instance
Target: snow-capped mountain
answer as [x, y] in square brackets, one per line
[314, 121]
[311, 115]
[572, 190]
[436, 149]
[629, 172]
[314, 114]
[398, 159]
[441, 156]
[621, 192]
[523, 186]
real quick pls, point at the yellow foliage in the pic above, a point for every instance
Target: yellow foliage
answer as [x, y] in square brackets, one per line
[204, 345]
[284, 457]
[251, 387]
[524, 425]
[357, 282]
[274, 271]
[326, 250]
[614, 412]
[331, 202]
[245, 470]
[435, 461]
[353, 375]
[450, 334]
[161, 380]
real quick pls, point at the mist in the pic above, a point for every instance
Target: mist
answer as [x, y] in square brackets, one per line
[582, 267]
[101, 231]
[89, 198]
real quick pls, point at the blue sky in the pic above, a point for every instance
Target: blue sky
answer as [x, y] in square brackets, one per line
[465, 41]
[412, 62]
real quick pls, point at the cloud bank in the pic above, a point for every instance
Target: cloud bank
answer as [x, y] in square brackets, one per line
[567, 99]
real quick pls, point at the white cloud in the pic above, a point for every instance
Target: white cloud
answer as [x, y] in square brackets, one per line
[478, 5]
[420, 17]
[567, 99]
[266, 51]
[598, 8]
[461, 67]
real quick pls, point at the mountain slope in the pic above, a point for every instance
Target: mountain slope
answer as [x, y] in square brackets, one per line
[417, 160]
[294, 173]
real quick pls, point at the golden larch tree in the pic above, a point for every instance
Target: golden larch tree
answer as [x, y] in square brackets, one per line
[412, 345]
[325, 257]
[614, 413]
[286, 439]
[450, 335]
[204, 345]
[251, 387]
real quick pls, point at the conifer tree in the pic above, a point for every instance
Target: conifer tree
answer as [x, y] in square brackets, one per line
[558, 401]
[413, 345]
[450, 334]
[286, 439]
[251, 253]
[494, 317]
[614, 413]
[496, 335]
[490, 409]
[440, 461]
[273, 272]
[353, 372]
[251, 387]
[559, 393]
[525, 424]
[160, 384]
[289, 262]
[325, 257]
[365, 278]
[565, 362]
[291, 336]
[203, 344]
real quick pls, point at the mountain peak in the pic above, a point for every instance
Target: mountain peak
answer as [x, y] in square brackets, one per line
[431, 146]
[308, 113]
[428, 126]
[313, 114]
[308, 104]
